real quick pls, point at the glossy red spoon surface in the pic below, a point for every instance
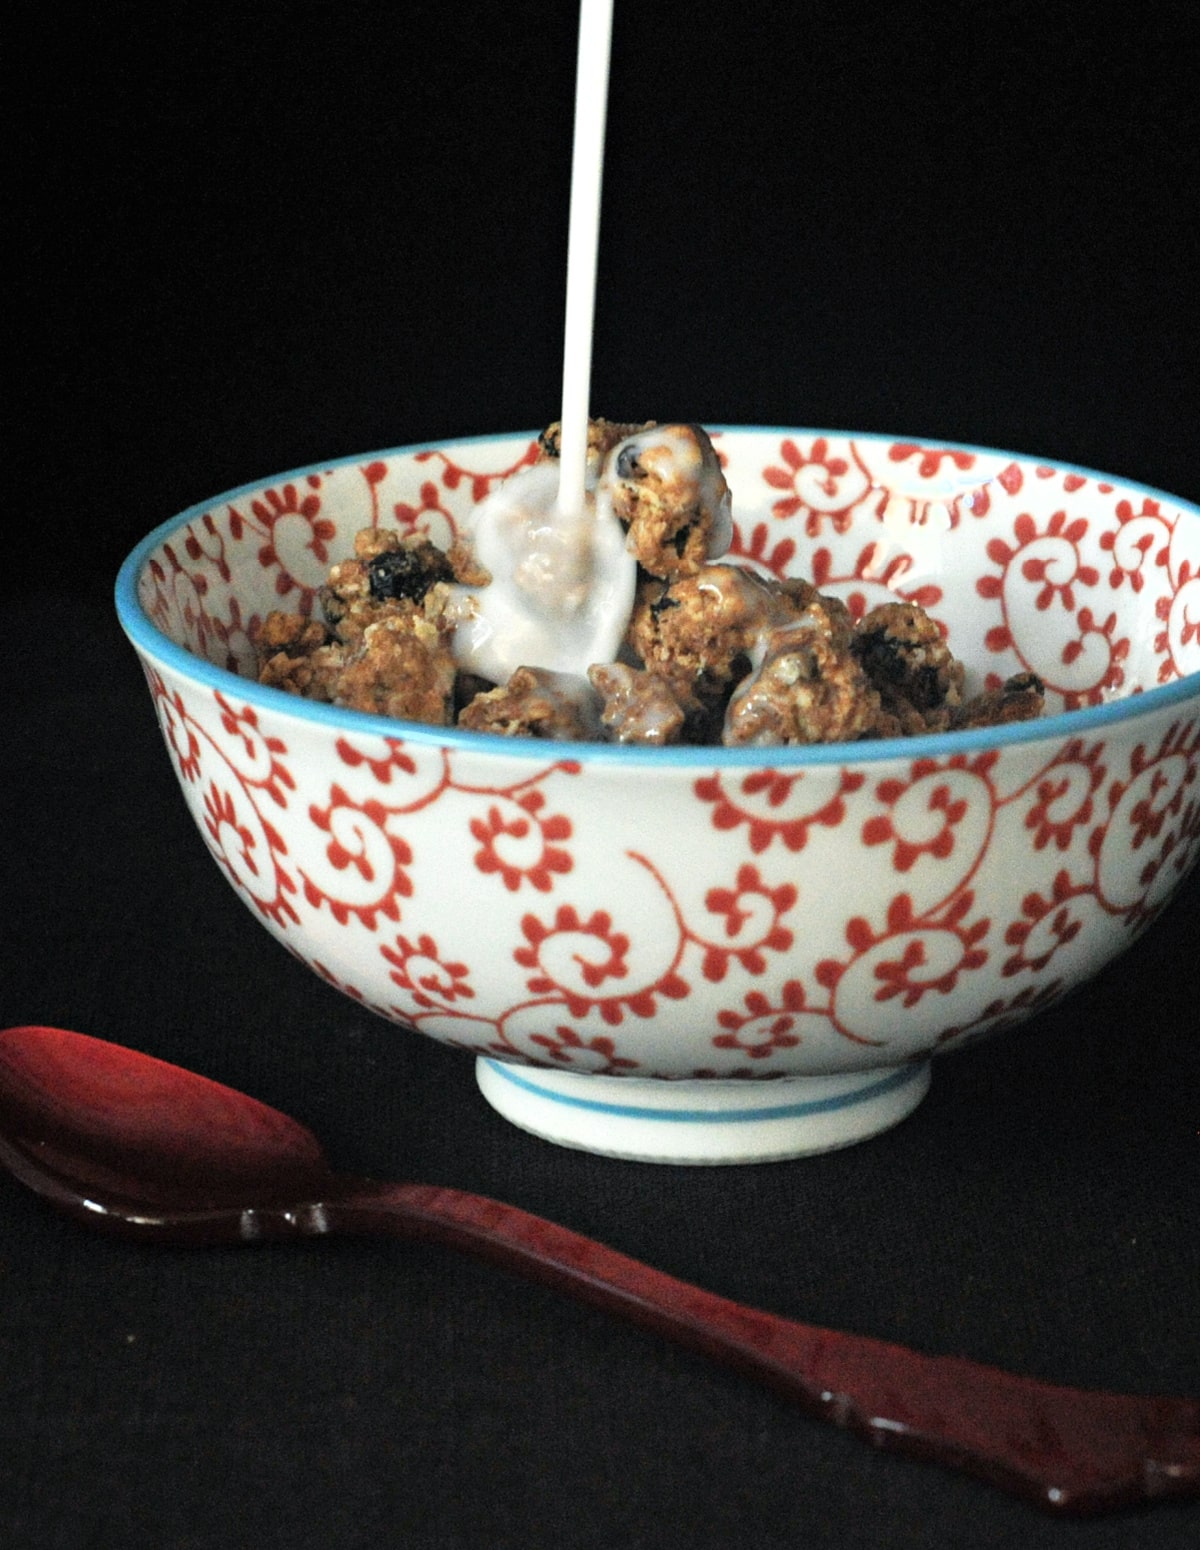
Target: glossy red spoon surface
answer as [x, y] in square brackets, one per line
[130, 1144]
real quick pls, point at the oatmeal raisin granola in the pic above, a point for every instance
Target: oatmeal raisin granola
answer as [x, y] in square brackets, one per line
[669, 493]
[1020, 698]
[905, 655]
[535, 703]
[637, 706]
[809, 688]
[602, 437]
[700, 630]
[387, 574]
[400, 666]
[299, 655]
[383, 648]
[713, 651]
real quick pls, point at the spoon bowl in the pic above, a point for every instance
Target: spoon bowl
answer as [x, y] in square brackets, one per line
[106, 1119]
[130, 1144]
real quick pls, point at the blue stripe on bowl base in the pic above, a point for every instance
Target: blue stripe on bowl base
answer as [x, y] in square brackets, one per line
[892, 1081]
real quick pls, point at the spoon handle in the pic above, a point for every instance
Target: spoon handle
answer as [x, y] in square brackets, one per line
[1066, 1450]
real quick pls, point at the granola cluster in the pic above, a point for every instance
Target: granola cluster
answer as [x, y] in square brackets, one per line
[383, 646]
[707, 651]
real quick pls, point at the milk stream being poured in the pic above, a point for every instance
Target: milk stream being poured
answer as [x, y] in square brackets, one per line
[583, 241]
[562, 584]
[562, 577]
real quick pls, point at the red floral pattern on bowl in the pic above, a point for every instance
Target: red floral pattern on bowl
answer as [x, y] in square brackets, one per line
[648, 934]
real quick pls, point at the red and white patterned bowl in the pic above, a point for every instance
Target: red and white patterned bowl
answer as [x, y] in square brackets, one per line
[705, 954]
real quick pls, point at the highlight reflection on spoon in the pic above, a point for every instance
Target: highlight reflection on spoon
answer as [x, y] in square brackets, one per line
[132, 1145]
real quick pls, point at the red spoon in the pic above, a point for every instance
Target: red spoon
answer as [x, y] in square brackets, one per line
[130, 1144]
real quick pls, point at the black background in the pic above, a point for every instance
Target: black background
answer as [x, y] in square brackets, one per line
[251, 237]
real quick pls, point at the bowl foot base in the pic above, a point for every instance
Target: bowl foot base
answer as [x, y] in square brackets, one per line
[701, 1121]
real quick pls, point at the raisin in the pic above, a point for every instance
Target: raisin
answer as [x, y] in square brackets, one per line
[883, 657]
[399, 574]
[886, 662]
[628, 466]
[924, 688]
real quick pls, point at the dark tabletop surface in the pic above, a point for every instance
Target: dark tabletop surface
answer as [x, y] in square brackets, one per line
[250, 240]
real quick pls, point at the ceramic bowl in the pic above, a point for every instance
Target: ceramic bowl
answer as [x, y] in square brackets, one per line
[706, 954]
